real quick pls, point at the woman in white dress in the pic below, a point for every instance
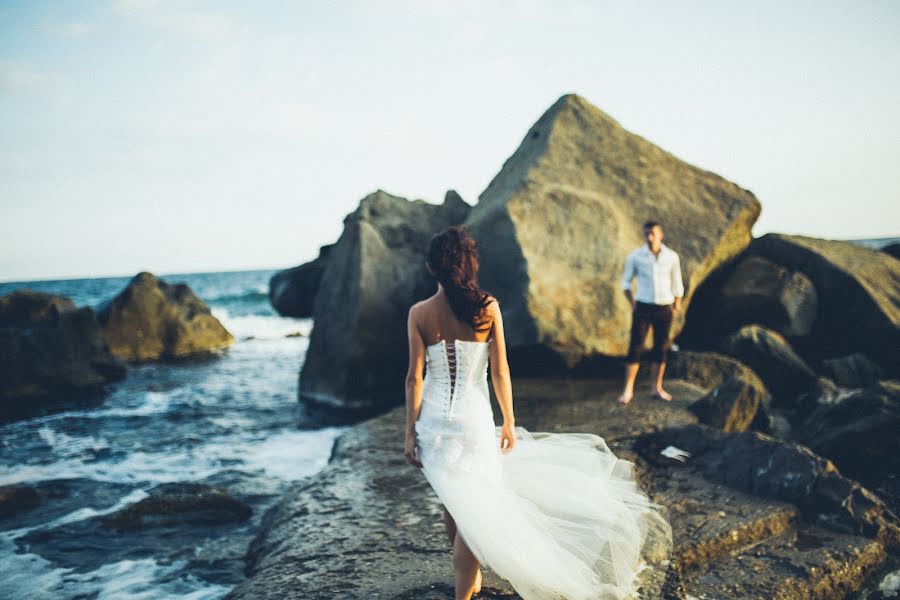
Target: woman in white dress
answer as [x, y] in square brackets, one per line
[556, 515]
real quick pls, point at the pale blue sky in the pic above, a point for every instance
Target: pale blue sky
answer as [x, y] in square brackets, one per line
[188, 136]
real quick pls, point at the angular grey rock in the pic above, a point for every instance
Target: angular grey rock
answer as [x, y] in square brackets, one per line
[356, 360]
[556, 223]
[180, 502]
[854, 370]
[771, 357]
[52, 356]
[704, 369]
[292, 292]
[859, 296]
[760, 291]
[892, 250]
[733, 404]
[861, 433]
[764, 466]
[151, 320]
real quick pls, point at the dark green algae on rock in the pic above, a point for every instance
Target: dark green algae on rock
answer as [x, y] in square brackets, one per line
[368, 525]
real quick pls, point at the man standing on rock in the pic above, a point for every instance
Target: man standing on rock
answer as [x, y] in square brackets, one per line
[659, 292]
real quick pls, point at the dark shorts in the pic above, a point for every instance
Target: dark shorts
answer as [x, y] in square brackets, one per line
[657, 316]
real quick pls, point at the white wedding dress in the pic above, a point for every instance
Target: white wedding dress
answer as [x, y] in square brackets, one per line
[559, 516]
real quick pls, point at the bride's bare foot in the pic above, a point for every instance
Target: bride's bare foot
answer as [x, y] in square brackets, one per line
[662, 394]
[625, 398]
[477, 587]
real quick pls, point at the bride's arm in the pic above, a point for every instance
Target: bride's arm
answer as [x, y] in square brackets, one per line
[500, 378]
[413, 386]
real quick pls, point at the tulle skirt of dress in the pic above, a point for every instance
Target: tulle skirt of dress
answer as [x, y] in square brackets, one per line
[559, 516]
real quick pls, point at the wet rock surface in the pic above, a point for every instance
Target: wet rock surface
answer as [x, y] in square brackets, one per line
[152, 320]
[53, 356]
[368, 526]
[206, 527]
[861, 434]
[176, 503]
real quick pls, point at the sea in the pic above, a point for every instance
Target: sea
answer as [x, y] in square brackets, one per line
[230, 421]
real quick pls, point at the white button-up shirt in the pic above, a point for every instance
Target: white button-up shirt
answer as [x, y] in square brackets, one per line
[659, 277]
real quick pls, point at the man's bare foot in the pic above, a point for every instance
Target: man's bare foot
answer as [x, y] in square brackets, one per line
[625, 398]
[662, 394]
[477, 588]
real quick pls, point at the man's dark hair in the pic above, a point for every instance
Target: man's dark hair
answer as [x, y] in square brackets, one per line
[652, 224]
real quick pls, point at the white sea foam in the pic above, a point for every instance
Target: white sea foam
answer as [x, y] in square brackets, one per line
[287, 454]
[261, 327]
[31, 576]
[890, 585]
[80, 514]
[148, 403]
[64, 445]
[291, 454]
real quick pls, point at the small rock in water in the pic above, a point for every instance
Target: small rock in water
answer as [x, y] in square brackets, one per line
[15, 498]
[192, 503]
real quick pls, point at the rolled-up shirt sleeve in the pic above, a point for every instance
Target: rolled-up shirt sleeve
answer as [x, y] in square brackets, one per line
[629, 273]
[677, 283]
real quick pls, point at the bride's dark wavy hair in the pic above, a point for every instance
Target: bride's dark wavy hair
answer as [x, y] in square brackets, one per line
[453, 258]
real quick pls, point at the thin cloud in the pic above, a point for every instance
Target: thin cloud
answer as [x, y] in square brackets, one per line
[18, 76]
[170, 17]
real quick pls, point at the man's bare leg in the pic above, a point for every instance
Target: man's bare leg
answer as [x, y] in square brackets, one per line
[657, 377]
[631, 371]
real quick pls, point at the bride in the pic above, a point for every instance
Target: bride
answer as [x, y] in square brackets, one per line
[556, 515]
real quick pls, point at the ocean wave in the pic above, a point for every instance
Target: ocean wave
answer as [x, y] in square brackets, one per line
[287, 455]
[262, 327]
[63, 444]
[28, 575]
[247, 297]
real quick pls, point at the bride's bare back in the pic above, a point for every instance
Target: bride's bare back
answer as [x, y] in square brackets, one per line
[436, 321]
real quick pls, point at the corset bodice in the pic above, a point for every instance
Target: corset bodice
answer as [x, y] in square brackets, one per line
[455, 383]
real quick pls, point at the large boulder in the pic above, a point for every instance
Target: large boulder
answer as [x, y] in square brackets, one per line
[292, 292]
[52, 355]
[853, 371]
[861, 433]
[357, 351]
[771, 357]
[736, 400]
[892, 250]
[733, 404]
[152, 320]
[752, 290]
[859, 296]
[557, 222]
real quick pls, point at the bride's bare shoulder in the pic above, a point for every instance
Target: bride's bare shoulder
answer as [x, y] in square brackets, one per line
[422, 307]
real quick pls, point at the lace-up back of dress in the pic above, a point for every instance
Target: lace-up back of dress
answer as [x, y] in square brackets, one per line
[455, 370]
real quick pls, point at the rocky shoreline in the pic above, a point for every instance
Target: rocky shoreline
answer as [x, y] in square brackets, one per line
[368, 525]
